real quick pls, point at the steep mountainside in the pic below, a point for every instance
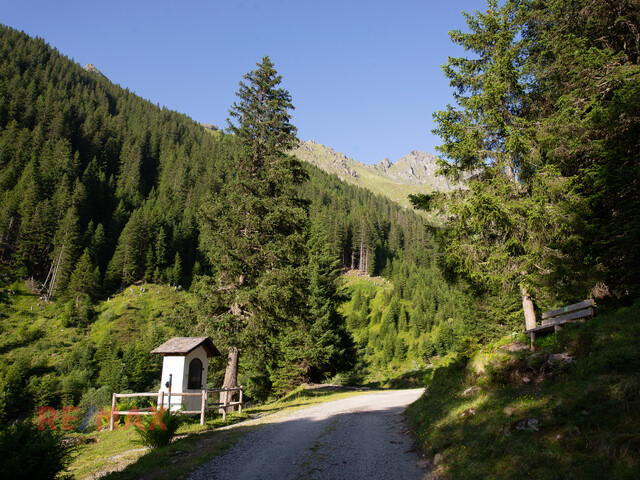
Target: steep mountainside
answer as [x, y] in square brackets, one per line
[413, 173]
[100, 193]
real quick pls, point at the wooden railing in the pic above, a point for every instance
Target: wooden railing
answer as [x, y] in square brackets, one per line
[204, 405]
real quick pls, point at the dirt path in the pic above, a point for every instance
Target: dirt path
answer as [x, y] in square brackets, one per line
[364, 436]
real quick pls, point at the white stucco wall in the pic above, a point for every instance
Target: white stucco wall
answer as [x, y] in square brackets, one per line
[178, 366]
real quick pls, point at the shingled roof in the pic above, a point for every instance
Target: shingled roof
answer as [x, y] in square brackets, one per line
[184, 345]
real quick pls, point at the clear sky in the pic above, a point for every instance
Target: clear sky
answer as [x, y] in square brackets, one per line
[364, 76]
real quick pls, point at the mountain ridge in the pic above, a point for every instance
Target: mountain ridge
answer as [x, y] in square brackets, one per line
[413, 173]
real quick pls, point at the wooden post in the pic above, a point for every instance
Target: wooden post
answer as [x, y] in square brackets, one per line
[224, 405]
[230, 376]
[161, 400]
[203, 406]
[527, 307]
[240, 406]
[113, 411]
[532, 336]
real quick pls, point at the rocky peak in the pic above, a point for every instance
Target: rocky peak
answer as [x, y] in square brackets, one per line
[384, 165]
[413, 173]
[90, 67]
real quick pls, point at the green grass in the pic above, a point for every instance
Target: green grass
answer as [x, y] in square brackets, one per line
[588, 412]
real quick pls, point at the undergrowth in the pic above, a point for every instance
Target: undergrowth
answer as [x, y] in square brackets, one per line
[570, 410]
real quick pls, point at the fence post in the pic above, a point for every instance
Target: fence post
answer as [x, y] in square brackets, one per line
[240, 406]
[224, 406]
[161, 400]
[113, 411]
[203, 406]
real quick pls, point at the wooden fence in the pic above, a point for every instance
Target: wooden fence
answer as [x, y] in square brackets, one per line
[204, 405]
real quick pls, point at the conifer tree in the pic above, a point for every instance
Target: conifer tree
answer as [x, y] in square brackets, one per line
[585, 59]
[505, 230]
[253, 232]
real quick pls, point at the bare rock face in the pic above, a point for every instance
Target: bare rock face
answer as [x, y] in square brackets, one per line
[471, 391]
[413, 173]
[90, 67]
[559, 359]
[420, 168]
[523, 424]
[384, 165]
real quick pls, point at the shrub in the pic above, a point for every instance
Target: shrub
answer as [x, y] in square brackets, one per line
[160, 437]
[30, 453]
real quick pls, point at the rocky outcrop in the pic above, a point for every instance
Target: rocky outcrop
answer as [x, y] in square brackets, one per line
[90, 67]
[384, 165]
[413, 173]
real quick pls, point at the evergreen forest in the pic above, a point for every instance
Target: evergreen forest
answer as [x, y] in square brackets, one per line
[123, 224]
[104, 192]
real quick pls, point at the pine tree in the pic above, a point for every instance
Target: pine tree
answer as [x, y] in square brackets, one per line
[585, 60]
[506, 229]
[331, 347]
[85, 278]
[253, 232]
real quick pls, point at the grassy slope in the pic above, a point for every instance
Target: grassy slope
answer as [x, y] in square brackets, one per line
[31, 327]
[588, 411]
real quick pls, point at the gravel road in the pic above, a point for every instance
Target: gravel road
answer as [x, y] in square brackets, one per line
[364, 436]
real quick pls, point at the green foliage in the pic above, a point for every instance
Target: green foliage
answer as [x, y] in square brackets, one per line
[29, 452]
[158, 437]
[254, 233]
[13, 395]
[587, 121]
[508, 229]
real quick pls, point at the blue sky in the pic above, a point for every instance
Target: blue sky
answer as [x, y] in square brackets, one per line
[364, 76]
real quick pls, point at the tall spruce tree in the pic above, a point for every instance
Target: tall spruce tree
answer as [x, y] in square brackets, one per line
[253, 232]
[505, 229]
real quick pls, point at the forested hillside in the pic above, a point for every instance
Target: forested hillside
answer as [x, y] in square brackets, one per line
[101, 190]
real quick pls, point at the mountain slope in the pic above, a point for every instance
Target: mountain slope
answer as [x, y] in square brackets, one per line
[413, 173]
[103, 189]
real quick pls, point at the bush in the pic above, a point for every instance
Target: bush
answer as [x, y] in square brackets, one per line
[93, 400]
[160, 437]
[30, 453]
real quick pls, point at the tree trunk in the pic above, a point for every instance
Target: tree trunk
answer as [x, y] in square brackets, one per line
[527, 306]
[230, 377]
[511, 175]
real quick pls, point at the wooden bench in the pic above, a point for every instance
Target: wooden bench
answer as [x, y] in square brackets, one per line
[554, 319]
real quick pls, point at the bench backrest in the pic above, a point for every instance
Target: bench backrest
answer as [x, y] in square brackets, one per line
[570, 312]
